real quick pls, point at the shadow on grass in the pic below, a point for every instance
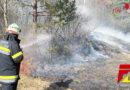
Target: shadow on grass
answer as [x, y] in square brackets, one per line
[60, 85]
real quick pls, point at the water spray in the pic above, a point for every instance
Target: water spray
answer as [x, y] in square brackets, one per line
[40, 39]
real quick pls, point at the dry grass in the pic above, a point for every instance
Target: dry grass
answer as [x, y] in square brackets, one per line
[28, 83]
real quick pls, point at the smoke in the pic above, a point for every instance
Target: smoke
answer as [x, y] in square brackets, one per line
[115, 38]
[101, 28]
[90, 50]
[108, 31]
[36, 47]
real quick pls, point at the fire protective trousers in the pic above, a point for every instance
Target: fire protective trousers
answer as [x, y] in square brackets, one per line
[10, 86]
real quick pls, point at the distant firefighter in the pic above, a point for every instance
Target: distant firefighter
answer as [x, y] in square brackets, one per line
[11, 56]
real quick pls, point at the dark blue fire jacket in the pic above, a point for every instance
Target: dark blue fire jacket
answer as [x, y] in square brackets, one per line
[10, 57]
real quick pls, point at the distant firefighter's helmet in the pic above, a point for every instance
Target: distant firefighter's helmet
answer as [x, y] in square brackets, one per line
[13, 28]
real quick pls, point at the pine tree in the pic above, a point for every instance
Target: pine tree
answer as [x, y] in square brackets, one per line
[62, 9]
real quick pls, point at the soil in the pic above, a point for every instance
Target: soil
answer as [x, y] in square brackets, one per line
[97, 75]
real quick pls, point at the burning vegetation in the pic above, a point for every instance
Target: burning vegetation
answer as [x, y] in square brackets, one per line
[26, 66]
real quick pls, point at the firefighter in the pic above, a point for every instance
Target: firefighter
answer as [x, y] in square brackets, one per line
[10, 57]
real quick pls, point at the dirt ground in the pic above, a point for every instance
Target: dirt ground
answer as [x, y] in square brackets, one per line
[103, 75]
[99, 75]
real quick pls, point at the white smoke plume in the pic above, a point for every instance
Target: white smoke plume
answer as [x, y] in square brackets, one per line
[102, 31]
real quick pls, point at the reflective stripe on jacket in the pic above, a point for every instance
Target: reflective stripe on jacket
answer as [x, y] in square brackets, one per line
[10, 56]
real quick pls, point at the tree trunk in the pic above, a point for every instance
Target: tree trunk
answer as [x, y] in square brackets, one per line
[5, 13]
[34, 15]
[84, 2]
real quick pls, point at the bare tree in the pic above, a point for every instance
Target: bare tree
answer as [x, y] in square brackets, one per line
[4, 10]
[5, 13]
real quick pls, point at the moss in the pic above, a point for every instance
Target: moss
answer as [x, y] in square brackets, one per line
[53, 49]
[116, 49]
